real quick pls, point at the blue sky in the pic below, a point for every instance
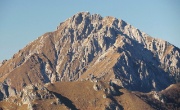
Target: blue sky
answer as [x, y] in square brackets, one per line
[22, 21]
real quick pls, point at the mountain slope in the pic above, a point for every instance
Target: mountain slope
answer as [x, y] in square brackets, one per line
[79, 95]
[167, 99]
[88, 45]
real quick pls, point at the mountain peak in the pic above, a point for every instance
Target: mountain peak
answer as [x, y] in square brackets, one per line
[105, 47]
[94, 55]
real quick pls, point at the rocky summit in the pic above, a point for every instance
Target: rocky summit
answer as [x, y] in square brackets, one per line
[92, 62]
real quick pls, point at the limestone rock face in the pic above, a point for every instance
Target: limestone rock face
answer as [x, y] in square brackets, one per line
[31, 93]
[3, 91]
[106, 47]
[6, 91]
[34, 96]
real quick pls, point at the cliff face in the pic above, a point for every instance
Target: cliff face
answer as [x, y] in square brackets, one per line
[89, 46]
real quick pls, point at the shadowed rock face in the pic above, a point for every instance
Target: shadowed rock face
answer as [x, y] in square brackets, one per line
[106, 47]
[6, 91]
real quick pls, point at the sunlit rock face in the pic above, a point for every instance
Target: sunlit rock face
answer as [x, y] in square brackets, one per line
[106, 47]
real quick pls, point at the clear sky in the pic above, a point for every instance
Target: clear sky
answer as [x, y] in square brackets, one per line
[22, 21]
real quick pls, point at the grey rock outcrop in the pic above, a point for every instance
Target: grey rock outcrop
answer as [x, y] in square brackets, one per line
[3, 91]
[31, 93]
[6, 91]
